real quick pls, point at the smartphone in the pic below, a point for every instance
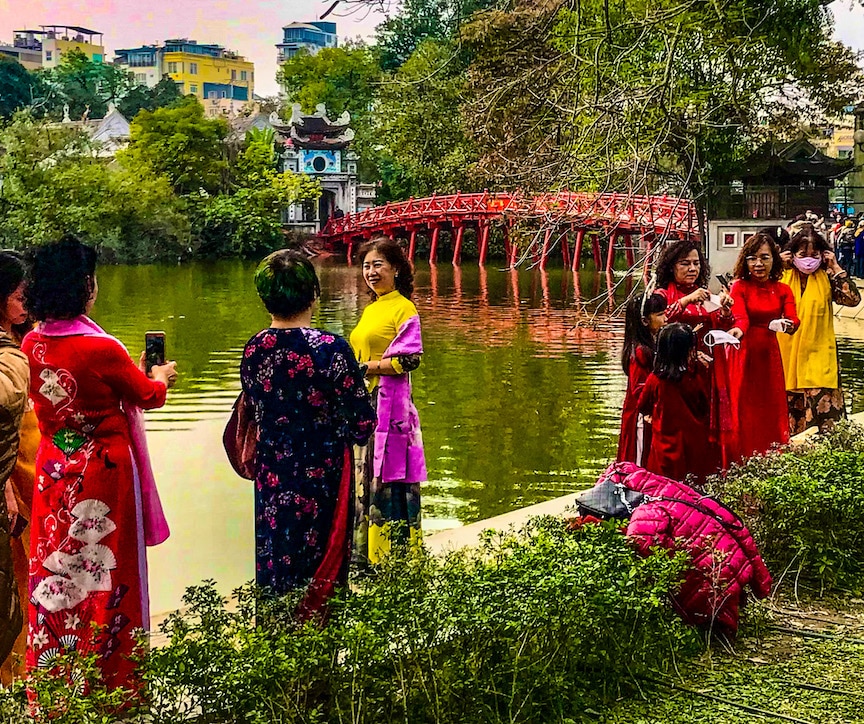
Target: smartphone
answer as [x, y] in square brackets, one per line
[154, 348]
[724, 281]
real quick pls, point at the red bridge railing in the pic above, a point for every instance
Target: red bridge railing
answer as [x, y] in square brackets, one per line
[613, 214]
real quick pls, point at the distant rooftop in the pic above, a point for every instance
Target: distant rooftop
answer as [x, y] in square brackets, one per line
[320, 25]
[45, 29]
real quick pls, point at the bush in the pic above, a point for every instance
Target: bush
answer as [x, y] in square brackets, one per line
[532, 627]
[805, 508]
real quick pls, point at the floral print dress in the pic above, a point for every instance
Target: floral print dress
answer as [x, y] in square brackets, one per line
[311, 406]
[88, 571]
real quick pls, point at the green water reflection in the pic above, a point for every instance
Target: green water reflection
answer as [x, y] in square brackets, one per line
[517, 403]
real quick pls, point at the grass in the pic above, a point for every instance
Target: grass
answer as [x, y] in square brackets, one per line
[796, 677]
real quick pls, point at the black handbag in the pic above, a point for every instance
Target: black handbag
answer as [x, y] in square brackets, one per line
[609, 499]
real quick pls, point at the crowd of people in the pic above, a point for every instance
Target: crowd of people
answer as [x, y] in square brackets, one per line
[715, 378]
[338, 457]
[338, 454]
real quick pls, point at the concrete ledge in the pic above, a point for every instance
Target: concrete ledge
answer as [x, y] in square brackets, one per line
[469, 535]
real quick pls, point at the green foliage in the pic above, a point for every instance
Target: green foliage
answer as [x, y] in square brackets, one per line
[16, 86]
[248, 222]
[533, 627]
[163, 95]
[343, 79]
[804, 508]
[645, 94]
[71, 691]
[421, 144]
[181, 144]
[85, 85]
[418, 20]
[54, 182]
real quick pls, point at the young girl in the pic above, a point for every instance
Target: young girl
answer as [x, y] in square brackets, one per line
[644, 318]
[675, 402]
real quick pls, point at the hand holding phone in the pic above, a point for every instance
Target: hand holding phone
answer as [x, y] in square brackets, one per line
[154, 349]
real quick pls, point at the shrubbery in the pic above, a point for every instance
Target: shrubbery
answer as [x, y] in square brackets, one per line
[535, 626]
[805, 508]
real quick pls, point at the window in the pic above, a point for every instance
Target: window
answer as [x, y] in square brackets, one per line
[172, 67]
[223, 94]
[212, 95]
[233, 75]
[243, 75]
[193, 68]
[48, 55]
[140, 77]
[193, 88]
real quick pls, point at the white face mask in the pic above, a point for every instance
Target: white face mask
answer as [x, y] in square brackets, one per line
[718, 336]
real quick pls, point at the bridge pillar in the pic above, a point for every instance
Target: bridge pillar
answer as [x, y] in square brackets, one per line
[484, 242]
[577, 250]
[513, 254]
[544, 255]
[350, 252]
[648, 242]
[595, 247]
[628, 251]
[457, 245]
[508, 245]
[433, 244]
[610, 254]
[565, 249]
[412, 245]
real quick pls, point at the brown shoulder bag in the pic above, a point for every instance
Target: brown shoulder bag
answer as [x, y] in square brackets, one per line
[241, 438]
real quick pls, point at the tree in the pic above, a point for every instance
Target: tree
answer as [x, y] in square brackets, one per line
[182, 144]
[54, 183]
[141, 98]
[417, 20]
[343, 79]
[249, 220]
[645, 94]
[421, 144]
[16, 86]
[86, 86]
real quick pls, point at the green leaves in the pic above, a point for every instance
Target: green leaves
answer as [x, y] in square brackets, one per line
[804, 507]
[535, 625]
[180, 143]
[54, 182]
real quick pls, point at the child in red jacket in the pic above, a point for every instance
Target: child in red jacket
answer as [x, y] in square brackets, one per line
[675, 400]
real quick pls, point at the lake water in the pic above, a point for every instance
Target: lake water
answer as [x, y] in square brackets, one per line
[519, 393]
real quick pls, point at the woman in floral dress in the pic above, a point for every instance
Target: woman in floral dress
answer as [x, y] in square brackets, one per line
[311, 407]
[94, 504]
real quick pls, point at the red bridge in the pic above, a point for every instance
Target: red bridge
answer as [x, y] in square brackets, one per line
[553, 218]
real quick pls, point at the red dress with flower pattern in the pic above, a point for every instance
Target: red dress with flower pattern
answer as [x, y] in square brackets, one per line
[87, 561]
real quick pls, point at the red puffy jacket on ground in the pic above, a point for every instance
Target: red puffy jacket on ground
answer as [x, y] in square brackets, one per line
[722, 551]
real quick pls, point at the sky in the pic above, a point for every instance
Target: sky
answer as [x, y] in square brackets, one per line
[249, 27]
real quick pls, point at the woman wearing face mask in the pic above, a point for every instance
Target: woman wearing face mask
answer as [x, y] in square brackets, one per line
[391, 467]
[763, 306]
[810, 361]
